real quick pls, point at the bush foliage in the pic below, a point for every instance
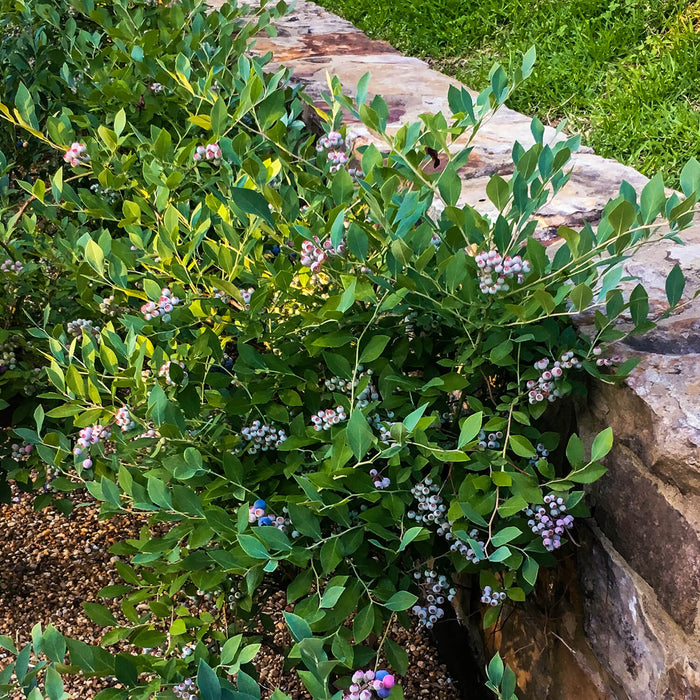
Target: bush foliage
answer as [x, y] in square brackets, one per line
[304, 369]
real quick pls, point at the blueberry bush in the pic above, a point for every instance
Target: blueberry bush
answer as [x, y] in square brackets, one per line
[298, 350]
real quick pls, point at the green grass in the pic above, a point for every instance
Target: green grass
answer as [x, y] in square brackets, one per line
[624, 73]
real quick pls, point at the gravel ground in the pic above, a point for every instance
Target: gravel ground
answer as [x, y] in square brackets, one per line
[50, 565]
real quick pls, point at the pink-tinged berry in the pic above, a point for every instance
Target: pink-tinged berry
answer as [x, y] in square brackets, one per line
[76, 154]
[210, 152]
[11, 266]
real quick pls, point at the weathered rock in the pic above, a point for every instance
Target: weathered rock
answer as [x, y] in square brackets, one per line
[644, 650]
[542, 639]
[647, 524]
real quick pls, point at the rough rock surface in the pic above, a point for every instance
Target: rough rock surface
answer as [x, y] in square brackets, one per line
[640, 573]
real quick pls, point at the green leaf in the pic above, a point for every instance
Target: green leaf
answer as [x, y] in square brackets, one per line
[639, 305]
[495, 670]
[602, 444]
[590, 473]
[304, 521]
[331, 595]
[530, 570]
[119, 122]
[374, 348]
[675, 284]
[396, 656]
[53, 685]
[581, 296]
[505, 535]
[53, 644]
[253, 547]
[219, 117]
[208, 682]
[99, 614]
[498, 191]
[25, 106]
[521, 446]
[159, 493]
[574, 452]
[252, 202]
[410, 535]
[125, 670]
[298, 626]
[508, 684]
[470, 429]
[450, 185]
[347, 299]
[363, 623]
[359, 434]
[652, 199]
[501, 554]
[401, 600]
[411, 420]
[230, 649]
[690, 178]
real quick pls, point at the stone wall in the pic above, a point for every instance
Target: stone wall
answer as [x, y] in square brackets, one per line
[620, 617]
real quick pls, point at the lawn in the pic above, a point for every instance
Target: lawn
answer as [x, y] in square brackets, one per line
[624, 73]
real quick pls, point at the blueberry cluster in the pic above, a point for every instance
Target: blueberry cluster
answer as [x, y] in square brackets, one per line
[550, 525]
[369, 393]
[434, 591]
[605, 361]
[220, 294]
[148, 433]
[187, 690]
[76, 154]
[315, 253]
[246, 295]
[123, 419]
[163, 308]
[76, 328]
[262, 437]
[384, 427]
[257, 513]
[379, 481]
[20, 453]
[323, 420]
[545, 388]
[335, 146]
[432, 510]
[109, 195]
[164, 371]
[491, 597]
[344, 386]
[11, 266]
[430, 507]
[109, 308]
[492, 440]
[496, 271]
[90, 436]
[368, 685]
[8, 359]
[542, 453]
[211, 152]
